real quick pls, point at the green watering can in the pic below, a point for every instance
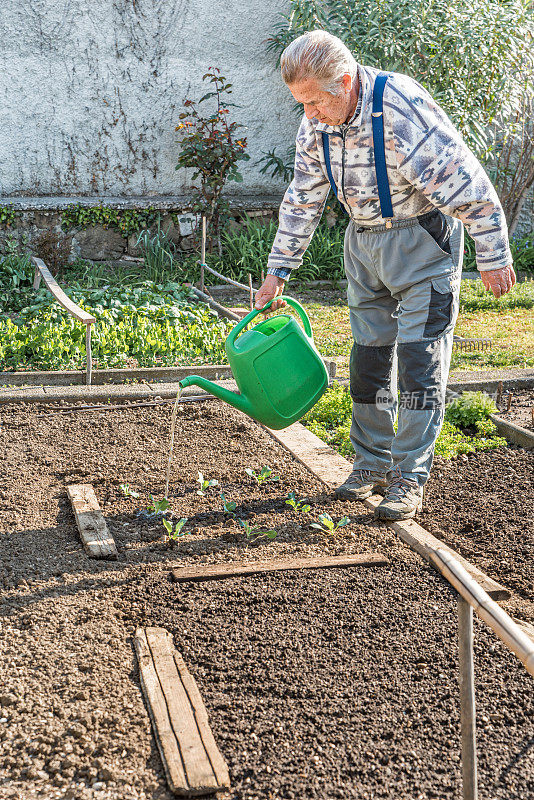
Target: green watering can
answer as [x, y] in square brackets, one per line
[278, 370]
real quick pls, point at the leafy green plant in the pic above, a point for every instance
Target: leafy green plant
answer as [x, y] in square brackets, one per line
[450, 47]
[151, 324]
[158, 255]
[471, 407]
[8, 215]
[205, 484]
[173, 534]
[453, 442]
[265, 475]
[327, 524]
[158, 507]
[127, 491]
[278, 166]
[127, 220]
[212, 148]
[330, 419]
[229, 506]
[300, 506]
[253, 535]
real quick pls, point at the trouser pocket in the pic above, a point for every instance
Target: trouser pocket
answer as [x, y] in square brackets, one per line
[440, 306]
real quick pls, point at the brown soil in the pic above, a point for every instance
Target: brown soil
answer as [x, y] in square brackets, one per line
[520, 412]
[482, 504]
[319, 684]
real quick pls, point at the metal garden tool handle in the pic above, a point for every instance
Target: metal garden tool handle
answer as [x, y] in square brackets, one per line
[234, 333]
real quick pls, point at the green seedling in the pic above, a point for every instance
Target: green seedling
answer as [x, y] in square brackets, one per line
[127, 492]
[254, 534]
[327, 524]
[297, 505]
[158, 506]
[264, 475]
[229, 506]
[177, 533]
[205, 484]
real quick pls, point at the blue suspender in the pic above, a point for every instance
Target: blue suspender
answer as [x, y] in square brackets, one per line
[384, 195]
[377, 118]
[326, 151]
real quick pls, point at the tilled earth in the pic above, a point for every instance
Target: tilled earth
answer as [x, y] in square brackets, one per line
[520, 412]
[334, 684]
[482, 505]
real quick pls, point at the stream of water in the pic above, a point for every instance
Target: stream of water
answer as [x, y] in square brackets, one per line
[171, 446]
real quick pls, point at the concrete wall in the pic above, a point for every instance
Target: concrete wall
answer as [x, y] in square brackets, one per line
[90, 91]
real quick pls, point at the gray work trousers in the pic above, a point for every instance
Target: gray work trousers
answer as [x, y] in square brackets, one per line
[403, 288]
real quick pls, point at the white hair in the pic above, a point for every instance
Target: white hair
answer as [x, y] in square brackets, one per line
[320, 55]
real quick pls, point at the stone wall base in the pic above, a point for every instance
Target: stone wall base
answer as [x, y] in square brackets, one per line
[34, 217]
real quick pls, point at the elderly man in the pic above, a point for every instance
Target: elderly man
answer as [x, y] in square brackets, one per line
[408, 181]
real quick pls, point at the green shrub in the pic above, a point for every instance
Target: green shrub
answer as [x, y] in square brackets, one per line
[470, 408]
[450, 47]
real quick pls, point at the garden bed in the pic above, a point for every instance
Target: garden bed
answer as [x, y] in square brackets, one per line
[520, 412]
[482, 505]
[336, 684]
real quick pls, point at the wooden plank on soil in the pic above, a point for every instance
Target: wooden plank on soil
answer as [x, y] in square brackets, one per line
[332, 469]
[514, 433]
[96, 539]
[209, 572]
[192, 761]
[525, 626]
[325, 463]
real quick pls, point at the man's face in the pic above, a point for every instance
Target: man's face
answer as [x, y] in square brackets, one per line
[318, 104]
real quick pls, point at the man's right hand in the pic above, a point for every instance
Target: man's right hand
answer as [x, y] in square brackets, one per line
[271, 287]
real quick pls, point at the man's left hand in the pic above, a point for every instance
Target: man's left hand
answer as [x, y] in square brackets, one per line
[498, 281]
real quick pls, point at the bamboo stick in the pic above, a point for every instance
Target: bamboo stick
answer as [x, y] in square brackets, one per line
[486, 608]
[227, 280]
[467, 700]
[203, 255]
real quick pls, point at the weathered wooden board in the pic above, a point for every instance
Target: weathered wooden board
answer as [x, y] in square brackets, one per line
[209, 572]
[42, 271]
[192, 761]
[514, 433]
[313, 453]
[525, 626]
[96, 539]
[332, 469]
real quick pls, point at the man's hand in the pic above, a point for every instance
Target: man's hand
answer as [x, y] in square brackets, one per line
[271, 287]
[498, 281]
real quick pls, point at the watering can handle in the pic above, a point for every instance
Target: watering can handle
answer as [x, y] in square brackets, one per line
[234, 333]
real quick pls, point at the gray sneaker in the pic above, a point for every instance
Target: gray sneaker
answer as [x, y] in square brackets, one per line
[403, 499]
[362, 483]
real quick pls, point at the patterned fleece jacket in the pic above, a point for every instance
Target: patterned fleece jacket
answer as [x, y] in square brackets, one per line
[428, 165]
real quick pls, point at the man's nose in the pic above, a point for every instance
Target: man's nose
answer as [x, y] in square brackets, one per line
[310, 112]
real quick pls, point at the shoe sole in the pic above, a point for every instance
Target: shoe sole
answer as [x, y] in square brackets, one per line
[392, 516]
[347, 494]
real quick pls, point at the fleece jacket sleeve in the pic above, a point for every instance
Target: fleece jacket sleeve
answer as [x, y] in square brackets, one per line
[302, 206]
[431, 154]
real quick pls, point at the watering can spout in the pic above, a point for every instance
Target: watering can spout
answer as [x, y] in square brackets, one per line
[232, 398]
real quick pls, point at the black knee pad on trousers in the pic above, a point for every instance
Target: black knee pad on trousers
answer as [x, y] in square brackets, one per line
[420, 374]
[370, 370]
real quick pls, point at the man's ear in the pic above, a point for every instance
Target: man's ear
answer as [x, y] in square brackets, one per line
[346, 80]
